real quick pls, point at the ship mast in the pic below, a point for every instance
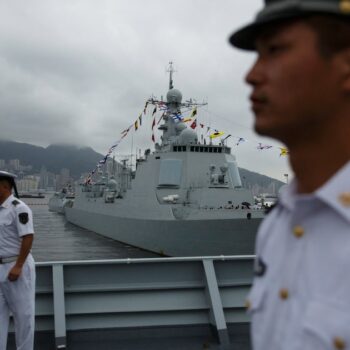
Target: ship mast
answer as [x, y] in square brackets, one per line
[173, 121]
[171, 71]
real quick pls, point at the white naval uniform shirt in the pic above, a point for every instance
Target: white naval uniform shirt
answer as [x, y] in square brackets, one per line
[301, 300]
[11, 227]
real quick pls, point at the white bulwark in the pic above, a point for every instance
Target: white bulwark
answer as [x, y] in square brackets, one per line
[162, 303]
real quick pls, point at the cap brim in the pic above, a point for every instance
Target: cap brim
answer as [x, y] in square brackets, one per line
[7, 176]
[245, 37]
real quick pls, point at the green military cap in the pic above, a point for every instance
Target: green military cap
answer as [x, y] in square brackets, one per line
[279, 10]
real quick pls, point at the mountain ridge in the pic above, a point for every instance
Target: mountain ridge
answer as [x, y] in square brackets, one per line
[80, 159]
[77, 159]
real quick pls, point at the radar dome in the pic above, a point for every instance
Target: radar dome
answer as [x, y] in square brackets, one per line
[180, 126]
[187, 137]
[174, 96]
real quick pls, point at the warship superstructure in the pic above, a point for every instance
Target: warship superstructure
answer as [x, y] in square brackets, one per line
[184, 199]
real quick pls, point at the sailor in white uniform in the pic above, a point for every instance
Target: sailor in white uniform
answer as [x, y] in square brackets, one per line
[300, 299]
[301, 294]
[17, 270]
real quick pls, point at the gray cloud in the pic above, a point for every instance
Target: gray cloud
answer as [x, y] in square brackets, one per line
[80, 71]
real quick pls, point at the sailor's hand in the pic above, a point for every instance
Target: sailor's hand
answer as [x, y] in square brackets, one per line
[14, 273]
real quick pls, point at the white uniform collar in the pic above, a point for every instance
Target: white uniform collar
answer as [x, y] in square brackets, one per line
[8, 201]
[330, 193]
[334, 190]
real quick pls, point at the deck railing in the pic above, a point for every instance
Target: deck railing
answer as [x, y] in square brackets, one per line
[83, 295]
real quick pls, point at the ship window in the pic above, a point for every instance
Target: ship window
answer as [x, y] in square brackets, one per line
[184, 148]
[201, 149]
[170, 173]
[210, 150]
[192, 149]
[175, 148]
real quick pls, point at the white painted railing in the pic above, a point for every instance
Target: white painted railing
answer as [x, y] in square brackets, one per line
[82, 295]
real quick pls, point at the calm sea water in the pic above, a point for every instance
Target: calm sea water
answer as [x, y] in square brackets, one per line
[57, 240]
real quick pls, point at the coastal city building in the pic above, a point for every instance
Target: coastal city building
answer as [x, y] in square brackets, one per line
[28, 184]
[14, 164]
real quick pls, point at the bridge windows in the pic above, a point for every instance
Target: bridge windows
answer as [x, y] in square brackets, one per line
[201, 149]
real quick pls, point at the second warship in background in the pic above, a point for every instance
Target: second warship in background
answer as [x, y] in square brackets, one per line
[184, 199]
[59, 200]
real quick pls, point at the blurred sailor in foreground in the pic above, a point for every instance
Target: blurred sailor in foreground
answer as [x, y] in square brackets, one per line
[301, 96]
[17, 270]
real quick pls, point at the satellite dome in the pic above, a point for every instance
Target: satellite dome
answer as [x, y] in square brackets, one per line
[180, 127]
[174, 96]
[188, 136]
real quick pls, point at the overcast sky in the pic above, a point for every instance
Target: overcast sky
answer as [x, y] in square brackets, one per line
[79, 71]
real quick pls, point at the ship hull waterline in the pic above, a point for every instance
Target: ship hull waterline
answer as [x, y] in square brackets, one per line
[173, 237]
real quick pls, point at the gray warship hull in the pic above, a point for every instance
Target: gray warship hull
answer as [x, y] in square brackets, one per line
[231, 236]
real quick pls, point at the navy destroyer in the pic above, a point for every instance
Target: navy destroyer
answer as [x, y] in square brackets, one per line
[184, 199]
[59, 200]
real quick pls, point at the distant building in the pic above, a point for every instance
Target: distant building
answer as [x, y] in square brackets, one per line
[29, 183]
[14, 164]
[51, 185]
[44, 178]
[63, 180]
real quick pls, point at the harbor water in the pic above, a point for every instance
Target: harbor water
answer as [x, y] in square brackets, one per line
[58, 240]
